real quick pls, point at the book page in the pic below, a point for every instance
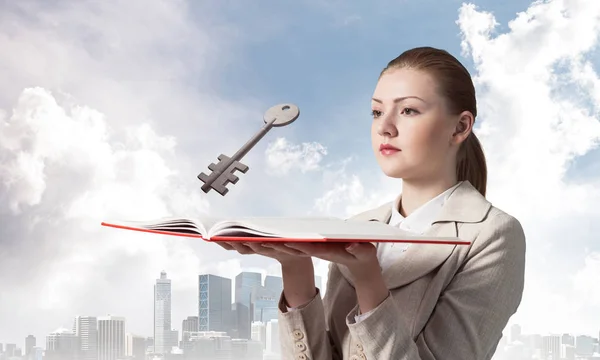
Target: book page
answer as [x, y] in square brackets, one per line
[312, 227]
[168, 224]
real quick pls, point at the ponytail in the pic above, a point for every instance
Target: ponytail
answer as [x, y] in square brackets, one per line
[472, 166]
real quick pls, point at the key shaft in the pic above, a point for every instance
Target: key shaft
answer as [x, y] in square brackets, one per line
[222, 173]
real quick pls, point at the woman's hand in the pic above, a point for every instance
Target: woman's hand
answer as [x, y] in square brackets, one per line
[358, 257]
[276, 251]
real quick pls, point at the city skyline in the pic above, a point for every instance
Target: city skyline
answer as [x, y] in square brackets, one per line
[82, 325]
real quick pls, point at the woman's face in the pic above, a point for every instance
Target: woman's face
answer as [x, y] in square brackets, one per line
[412, 121]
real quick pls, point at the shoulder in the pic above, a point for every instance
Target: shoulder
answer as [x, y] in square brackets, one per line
[499, 231]
[501, 221]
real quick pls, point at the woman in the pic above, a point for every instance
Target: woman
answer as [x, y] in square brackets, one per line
[423, 301]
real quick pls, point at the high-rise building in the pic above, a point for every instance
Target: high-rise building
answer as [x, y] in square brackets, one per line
[135, 346]
[515, 333]
[214, 303]
[245, 282]
[162, 314]
[274, 284]
[62, 344]
[86, 329]
[567, 339]
[37, 353]
[263, 303]
[29, 345]
[551, 347]
[10, 350]
[584, 345]
[111, 337]
[188, 326]
[273, 346]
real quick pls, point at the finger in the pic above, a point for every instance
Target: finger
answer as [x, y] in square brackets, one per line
[282, 248]
[241, 248]
[333, 252]
[259, 249]
[317, 248]
[265, 250]
[224, 245]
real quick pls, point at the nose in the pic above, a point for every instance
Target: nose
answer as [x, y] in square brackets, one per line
[386, 126]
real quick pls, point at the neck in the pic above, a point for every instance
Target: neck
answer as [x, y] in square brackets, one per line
[416, 193]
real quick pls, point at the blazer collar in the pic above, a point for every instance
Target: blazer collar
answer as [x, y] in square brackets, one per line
[465, 205]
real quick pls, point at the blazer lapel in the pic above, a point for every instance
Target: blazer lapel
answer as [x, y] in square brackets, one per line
[464, 205]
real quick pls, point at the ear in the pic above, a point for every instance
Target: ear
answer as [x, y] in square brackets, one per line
[463, 128]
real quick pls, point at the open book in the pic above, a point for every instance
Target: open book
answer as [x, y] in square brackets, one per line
[282, 229]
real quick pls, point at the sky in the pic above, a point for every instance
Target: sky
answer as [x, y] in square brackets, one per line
[109, 110]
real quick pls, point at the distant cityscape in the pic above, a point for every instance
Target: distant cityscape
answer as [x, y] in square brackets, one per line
[240, 328]
[519, 346]
[224, 328]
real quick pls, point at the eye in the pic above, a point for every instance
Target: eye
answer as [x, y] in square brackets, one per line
[376, 113]
[409, 111]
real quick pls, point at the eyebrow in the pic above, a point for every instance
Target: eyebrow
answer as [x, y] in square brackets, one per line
[397, 100]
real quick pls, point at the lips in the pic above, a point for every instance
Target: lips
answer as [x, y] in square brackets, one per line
[387, 149]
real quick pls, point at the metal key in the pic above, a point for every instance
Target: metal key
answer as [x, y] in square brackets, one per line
[222, 172]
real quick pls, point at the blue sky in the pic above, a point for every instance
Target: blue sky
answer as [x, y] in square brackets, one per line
[117, 117]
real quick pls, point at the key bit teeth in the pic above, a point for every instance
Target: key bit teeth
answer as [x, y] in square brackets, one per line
[206, 188]
[203, 177]
[220, 189]
[232, 178]
[223, 157]
[240, 167]
[212, 166]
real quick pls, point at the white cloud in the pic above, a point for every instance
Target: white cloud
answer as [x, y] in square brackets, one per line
[585, 280]
[530, 127]
[88, 105]
[99, 179]
[283, 156]
[534, 124]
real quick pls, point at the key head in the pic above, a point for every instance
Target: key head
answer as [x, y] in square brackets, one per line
[284, 114]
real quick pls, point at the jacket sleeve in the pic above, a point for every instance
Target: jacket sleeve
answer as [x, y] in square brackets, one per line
[470, 314]
[314, 331]
[303, 331]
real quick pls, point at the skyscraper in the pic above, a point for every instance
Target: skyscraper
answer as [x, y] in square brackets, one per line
[214, 303]
[111, 337]
[29, 345]
[188, 326]
[245, 282]
[263, 303]
[86, 329]
[274, 284]
[162, 314]
[61, 344]
[135, 346]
